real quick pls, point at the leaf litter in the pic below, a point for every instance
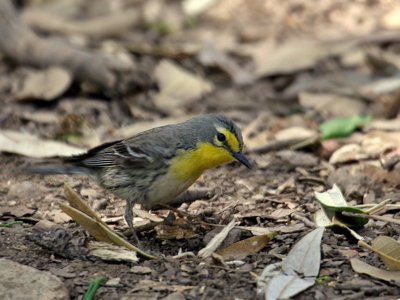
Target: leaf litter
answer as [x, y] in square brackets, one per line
[280, 59]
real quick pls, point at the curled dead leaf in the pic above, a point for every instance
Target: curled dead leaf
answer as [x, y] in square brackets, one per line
[244, 248]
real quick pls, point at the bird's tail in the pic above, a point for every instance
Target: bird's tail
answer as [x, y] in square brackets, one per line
[54, 169]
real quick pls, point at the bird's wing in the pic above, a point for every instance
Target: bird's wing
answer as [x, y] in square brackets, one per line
[118, 153]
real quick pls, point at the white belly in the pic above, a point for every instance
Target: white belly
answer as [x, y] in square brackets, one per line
[165, 190]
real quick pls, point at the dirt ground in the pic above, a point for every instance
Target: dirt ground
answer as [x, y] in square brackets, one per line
[264, 100]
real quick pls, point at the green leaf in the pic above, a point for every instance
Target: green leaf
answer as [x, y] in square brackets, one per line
[334, 204]
[342, 127]
[11, 224]
[323, 279]
[93, 287]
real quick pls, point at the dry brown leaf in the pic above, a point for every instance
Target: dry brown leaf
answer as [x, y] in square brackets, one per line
[146, 215]
[388, 250]
[364, 268]
[76, 202]
[89, 220]
[171, 232]
[244, 248]
[216, 241]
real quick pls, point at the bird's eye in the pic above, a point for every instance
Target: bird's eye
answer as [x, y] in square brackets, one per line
[221, 137]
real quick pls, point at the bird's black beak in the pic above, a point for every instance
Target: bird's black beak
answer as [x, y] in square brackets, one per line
[242, 159]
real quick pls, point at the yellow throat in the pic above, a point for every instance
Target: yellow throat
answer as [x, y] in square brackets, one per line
[192, 163]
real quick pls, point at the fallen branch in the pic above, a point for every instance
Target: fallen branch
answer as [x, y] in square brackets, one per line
[20, 44]
[99, 27]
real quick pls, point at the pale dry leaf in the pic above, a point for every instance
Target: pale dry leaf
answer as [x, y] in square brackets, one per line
[211, 56]
[146, 215]
[41, 117]
[32, 146]
[333, 197]
[286, 286]
[347, 153]
[288, 228]
[268, 272]
[384, 125]
[381, 86]
[110, 252]
[141, 270]
[296, 132]
[386, 140]
[353, 58]
[305, 256]
[196, 7]
[332, 105]
[280, 213]
[256, 230]
[271, 58]
[364, 268]
[321, 219]
[80, 212]
[371, 145]
[178, 88]
[388, 250]
[45, 85]
[392, 19]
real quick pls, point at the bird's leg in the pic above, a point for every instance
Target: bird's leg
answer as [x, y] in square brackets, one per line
[129, 220]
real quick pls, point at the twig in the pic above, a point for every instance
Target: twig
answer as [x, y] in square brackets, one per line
[377, 207]
[303, 219]
[216, 241]
[99, 27]
[20, 44]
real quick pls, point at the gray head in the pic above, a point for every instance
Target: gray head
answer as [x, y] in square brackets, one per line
[219, 131]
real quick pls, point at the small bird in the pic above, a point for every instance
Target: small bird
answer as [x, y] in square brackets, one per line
[157, 166]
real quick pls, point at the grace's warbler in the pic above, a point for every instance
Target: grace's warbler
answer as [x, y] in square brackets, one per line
[158, 165]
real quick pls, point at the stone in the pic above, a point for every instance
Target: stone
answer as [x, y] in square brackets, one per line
[19, 282]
